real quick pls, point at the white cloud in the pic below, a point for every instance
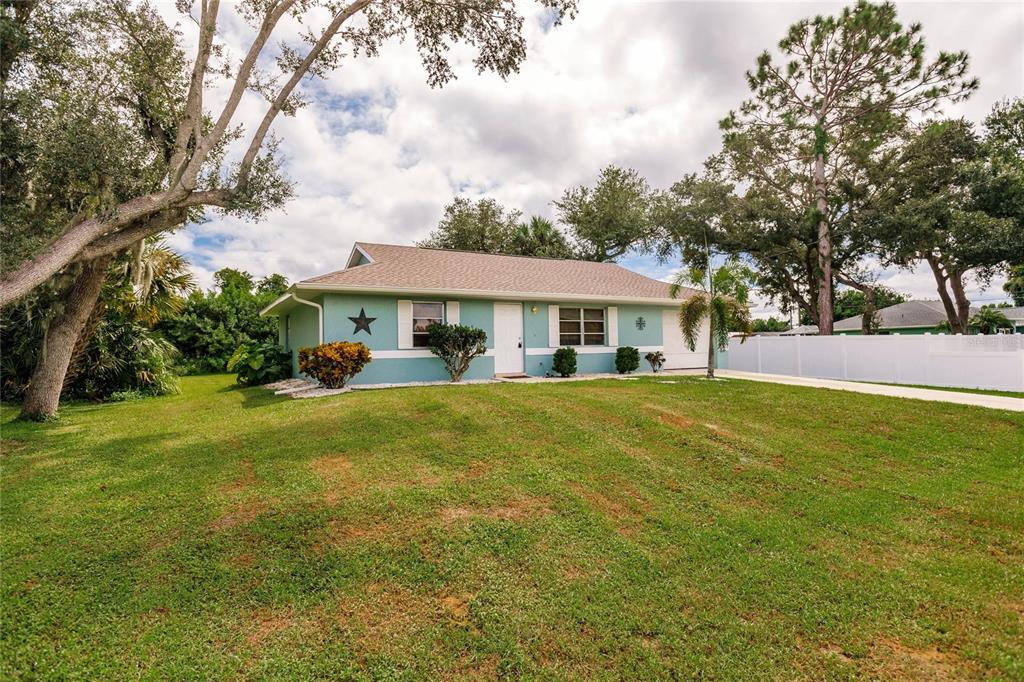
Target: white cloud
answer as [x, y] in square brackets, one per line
[378, 153]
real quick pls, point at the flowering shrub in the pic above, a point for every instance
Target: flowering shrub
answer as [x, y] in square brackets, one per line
[334, 364]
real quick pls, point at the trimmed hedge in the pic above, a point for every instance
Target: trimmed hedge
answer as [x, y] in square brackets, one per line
[563, 362]
[627, 359]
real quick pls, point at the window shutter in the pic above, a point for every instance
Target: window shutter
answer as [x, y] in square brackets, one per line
[452, 311]
[404, 324]
[613, 326]
[553, 326]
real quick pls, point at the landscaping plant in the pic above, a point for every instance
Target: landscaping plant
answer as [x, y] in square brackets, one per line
[334, 364]
[457, 345]
[656, 359]
[260, 363]
[627, 359]
[564, 362]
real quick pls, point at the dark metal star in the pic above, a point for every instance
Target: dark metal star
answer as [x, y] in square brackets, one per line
[362, 322]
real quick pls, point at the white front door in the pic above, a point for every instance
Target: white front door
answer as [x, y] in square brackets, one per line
[677, 354]
[508, 338]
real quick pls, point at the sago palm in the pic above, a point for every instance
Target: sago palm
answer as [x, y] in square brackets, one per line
[721, 297]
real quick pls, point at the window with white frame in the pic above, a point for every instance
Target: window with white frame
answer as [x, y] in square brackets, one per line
[581, 326]
[424, 315]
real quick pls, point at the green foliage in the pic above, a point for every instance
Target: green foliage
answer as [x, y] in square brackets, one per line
[540, 237]
[656, 359]
[627, 359]
[989, 320]
[769, 325]
[334, 364]
[722, 297]
[1014, 285]
[457, 345]
[484, 226]
[851, 302]
[123, 355]
[563, 362]
[610, 219]
[257, 364]
[212, 325]
[838, 91]
[90, 94]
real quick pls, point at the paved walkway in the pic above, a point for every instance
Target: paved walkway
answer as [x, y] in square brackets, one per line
[978, 399]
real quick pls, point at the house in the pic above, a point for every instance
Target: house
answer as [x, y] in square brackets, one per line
[909, 317]
[387, 295]
[802, 330]
[1016, 316]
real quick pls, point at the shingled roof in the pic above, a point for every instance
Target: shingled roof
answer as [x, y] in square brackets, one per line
[906, 314]
[421, 270]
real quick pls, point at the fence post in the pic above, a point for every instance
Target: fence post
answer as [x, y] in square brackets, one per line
[842, 347]
[799, 363]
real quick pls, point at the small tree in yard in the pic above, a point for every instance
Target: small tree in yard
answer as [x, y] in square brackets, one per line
[457, 345]
[656, 359]
[334, 364]
[722, 297]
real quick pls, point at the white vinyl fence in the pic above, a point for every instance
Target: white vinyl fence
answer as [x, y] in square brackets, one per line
[992, 362]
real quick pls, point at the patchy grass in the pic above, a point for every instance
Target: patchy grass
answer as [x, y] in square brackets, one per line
[609, 529]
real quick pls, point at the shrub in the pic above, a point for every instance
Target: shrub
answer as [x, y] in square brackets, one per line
[259, 363]
[656, 360]
[627, 359]
[457, 345]
[564, 362]
[334, 364]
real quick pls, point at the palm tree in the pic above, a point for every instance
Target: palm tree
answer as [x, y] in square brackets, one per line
[152, 284]
[989, 320]
[540, 237]
[721, 297]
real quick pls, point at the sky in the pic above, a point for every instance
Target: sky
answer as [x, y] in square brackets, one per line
[377, 153]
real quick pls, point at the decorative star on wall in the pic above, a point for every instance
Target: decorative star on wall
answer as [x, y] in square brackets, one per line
[362, 322]
[641, 323]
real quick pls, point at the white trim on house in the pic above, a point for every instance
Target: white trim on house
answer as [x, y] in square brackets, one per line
[451, 312]
[291, 295]
[553, 328]
[589, 350]
[416, 353]
[404, 324]
[490, 295]
[612, 326]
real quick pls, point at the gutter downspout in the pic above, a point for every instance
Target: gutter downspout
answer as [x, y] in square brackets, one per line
[320, 314]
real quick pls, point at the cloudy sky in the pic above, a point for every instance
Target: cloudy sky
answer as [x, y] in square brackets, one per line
[378, 153]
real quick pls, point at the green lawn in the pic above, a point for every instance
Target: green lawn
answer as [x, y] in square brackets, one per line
[605, 529]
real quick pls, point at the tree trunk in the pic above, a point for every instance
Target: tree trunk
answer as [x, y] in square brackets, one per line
[963, 305]
[941, 278]
[82, 344]
[867, 320]
[43, 394]
[825, 313]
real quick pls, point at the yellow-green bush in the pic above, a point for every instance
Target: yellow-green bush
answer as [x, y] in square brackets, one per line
[334, 364]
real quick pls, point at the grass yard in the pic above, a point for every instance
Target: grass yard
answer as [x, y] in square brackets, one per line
[605, 529]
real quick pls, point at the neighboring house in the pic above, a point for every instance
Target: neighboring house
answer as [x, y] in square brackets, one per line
[802, 330]
[387, 296]
[1016, 316]
[909, 317]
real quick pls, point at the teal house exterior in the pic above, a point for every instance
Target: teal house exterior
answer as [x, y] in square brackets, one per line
[387, 295]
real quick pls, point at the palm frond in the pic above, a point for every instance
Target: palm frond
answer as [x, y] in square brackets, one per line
[692, 312]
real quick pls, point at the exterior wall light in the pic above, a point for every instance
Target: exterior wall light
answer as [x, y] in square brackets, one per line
[533, 309]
